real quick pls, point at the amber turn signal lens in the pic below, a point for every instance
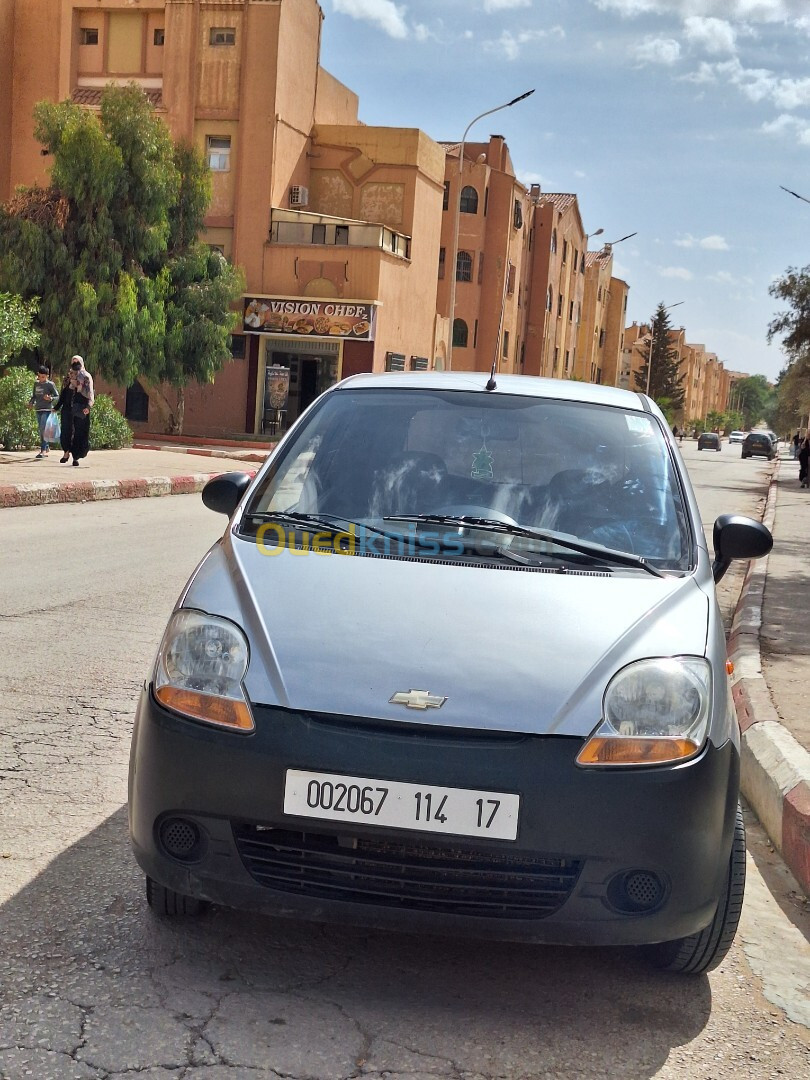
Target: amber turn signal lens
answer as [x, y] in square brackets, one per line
[729, 667]
[213, 710]
[621, 750]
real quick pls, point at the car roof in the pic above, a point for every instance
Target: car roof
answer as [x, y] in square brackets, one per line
[521, 385]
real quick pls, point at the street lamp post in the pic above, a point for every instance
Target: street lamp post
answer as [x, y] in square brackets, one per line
[457, 213]
[652, 339]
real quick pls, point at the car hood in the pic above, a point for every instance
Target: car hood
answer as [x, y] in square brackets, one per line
[510, 649]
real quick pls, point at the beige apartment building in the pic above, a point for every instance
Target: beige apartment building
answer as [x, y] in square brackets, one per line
[492, 211]
[335, 223]
[345, 231]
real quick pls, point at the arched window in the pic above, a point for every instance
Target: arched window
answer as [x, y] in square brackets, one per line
[464, 266]
[469, 200]
[553, 241]
[459, 334]
[549, 299]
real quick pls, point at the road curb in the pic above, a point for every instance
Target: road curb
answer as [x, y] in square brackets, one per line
[238, 455]
[81, 491]
[775, 767]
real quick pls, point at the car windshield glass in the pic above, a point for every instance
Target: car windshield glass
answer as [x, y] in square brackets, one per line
[364, 457]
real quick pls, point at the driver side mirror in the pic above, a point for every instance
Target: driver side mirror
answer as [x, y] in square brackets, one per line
[738, 537]
[224, 493]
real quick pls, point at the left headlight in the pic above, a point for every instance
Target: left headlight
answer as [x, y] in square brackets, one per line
[654, 712]
[200, 666]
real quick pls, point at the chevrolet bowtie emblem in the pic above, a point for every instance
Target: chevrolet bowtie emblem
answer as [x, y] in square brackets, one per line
[417, 699]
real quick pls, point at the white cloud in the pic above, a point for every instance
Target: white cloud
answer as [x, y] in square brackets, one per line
[505, 5]
[762, 11]
[679, 272]
[790, 127]
[382, 13]
[657, 51]
[712, 35]
[708, 243]
[510, 45]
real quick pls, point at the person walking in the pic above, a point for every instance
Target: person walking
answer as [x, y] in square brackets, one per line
[43, 394]
[81, 382]
[804, 458]
[64, 406]
[795, 446]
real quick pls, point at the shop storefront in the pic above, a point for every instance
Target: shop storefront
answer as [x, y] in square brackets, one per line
[305, 345]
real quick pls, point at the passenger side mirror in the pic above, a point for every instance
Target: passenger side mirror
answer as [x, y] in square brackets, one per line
[738, 537]
[223, 493]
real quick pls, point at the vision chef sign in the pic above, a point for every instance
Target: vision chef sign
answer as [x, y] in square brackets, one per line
[318, 318]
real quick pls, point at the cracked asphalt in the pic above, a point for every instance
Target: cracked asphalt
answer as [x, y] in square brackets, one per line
[94, 987]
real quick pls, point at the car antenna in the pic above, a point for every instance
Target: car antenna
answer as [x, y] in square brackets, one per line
[491, 384]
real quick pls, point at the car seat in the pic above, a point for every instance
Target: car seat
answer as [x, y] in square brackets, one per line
[411, 482]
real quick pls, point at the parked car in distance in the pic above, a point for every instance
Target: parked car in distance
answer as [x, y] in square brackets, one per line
[361, 711]
[758, 444]
[737, 437]
[709, 440]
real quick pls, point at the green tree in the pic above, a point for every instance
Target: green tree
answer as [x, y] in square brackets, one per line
[753, 397]
[112, 249]
[792, 405]
[665, 374]
[16, 326]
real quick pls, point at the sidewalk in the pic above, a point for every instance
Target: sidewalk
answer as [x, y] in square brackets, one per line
[769, 645]
[115, 474]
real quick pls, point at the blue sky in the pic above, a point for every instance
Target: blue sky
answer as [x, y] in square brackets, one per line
[675, 119]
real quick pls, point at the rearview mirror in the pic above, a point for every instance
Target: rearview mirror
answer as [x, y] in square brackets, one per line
[738, 537]
[223, 493]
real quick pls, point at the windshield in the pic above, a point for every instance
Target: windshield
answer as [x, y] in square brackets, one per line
[374, 457]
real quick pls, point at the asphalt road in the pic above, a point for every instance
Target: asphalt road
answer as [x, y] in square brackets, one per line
[94, 986]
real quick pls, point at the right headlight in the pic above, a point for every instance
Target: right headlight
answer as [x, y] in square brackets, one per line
[654, 712]
[201, 663]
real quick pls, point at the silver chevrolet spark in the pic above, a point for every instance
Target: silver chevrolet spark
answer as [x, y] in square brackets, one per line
[456, 664]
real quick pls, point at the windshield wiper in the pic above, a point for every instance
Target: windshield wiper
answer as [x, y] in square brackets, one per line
[326, 522]
[582, 547]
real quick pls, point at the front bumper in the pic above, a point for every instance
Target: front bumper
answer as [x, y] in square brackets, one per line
[619, 857]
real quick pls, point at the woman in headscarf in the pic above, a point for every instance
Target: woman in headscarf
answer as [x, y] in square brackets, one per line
[64, 406]
[81, 382]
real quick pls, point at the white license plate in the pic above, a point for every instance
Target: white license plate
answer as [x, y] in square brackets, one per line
[396, 805]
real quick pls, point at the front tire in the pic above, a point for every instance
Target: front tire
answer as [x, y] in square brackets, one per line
[707, 949]
[165, 901]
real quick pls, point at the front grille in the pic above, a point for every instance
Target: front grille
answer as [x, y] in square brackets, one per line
[407, 874]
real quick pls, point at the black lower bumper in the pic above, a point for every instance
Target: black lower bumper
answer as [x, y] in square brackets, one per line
[616, 857]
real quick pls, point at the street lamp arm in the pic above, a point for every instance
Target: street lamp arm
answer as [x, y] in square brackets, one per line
[489, 112]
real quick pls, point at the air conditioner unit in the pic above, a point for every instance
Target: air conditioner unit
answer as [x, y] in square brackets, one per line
[299, 196]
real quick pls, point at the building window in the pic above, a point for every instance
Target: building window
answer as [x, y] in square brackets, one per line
[469, 200]
[441, 264]
[159, 37]
[88, 35]
[486, 201]
[464, 266]
[318, 234]
[238, 346]
[446, 196]
[218, 152]
[576, 259]
[550, 299]
[559, 304]
[222, 35]
[341, 234]
[218, 249]
[517, 218]
[601, 339]
[459, 334]
[565, 251]
[505, 344]
[570, 310]
[553, 241]
[480, 268]
[475, 334]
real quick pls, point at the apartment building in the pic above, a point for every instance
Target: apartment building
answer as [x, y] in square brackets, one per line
[490, 211]
[556, 285]
[336, 224]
